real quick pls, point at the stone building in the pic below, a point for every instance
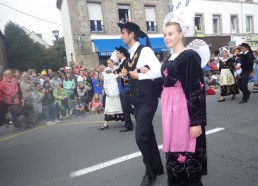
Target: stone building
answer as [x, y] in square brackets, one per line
[3, 57]
[90, 26]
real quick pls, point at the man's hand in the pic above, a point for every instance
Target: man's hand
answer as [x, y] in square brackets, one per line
[134, 74]
[196, 131]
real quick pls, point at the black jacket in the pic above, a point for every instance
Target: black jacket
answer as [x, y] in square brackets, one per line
[247, 61]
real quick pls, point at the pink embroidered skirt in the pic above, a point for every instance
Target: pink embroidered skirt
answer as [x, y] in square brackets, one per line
[175, 121]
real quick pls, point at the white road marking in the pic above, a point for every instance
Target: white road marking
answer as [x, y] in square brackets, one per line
[214, 130]
[121, 159]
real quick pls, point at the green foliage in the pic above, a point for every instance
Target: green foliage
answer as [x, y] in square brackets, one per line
[23, 53]
[57, 54]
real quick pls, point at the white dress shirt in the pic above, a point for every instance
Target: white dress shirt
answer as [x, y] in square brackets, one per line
[147, 57]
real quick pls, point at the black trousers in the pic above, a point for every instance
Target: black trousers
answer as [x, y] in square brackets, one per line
[2, 113]
[145, 137]
[242, 84]
[127, 108]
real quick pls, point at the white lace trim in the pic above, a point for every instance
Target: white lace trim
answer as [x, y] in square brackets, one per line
[113, 113]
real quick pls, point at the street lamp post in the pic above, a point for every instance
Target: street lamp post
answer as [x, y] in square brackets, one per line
[55, 33]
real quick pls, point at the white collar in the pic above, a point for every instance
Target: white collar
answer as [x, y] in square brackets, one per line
[121, 61]
[134, 47]
[246, 52]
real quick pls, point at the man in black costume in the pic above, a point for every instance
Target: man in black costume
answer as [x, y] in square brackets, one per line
[122, 55]
[247, 62]
[143, 98]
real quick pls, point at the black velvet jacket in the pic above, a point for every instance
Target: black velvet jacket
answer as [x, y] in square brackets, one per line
[186, 69]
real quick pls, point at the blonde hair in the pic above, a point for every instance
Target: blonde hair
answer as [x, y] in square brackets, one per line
[179, 28]
[170, 23]
[94, 99]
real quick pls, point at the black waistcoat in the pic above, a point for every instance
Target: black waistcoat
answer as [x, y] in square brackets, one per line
[141, 91]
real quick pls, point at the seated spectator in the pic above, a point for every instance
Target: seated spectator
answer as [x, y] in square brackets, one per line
[214, 81]
[96, 104]
[37, 97]
[208, 89]
[61, 100]
[21, 115]
[48, 104]
[82, 92]
[78, 107]
[26, 88]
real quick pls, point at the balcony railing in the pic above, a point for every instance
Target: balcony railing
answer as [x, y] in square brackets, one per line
[152, 28]
[96, 28]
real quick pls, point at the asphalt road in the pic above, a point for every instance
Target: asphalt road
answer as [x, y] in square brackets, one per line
[49, 155]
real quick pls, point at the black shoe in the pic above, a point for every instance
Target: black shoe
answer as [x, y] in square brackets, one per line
[233, 97]
[249, 95]
[221, 100]
[126, 129]
[104, 127]
[242, 101]
[147, 180]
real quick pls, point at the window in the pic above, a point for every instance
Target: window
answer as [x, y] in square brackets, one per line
[216, 24]
[96, 21]
[124, 13]
[234, 24]
[198, 22]
[249, 24]
[150, 19]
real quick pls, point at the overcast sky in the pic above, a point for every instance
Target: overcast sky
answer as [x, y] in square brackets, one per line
[44, 9]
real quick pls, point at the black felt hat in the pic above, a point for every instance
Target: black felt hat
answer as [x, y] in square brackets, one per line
[245, 45]
[121, 50]
[133, 27]
[136, 29]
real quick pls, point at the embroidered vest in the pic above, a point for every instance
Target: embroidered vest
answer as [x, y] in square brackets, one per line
[141, 91]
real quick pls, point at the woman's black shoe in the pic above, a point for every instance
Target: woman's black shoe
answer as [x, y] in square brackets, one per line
[221, 100]
[104, 127]
[233, 97]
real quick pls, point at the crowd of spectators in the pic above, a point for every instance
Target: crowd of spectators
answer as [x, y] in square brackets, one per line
[28, 97]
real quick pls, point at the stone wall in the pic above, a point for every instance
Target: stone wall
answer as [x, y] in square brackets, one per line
[78, 11]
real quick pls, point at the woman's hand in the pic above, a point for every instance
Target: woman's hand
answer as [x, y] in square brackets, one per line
[196, 131]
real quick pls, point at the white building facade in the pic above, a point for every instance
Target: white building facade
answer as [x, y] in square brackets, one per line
[235, 18]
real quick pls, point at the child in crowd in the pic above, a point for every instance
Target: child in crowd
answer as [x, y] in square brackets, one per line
[96, 104]
[78, 106]
[207, 82]
[82, 91]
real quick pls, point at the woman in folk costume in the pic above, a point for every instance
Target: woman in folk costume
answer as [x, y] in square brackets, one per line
[183, 106]
[226, 78]
[113, 109]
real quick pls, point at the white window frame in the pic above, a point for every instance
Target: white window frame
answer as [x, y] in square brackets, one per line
[150, 16]
[127, 7]
[249, 23]
[234, 24]
[217, 17]
[201, 25]
[96, 18]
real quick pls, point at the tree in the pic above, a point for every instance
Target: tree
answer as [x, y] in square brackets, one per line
[57, 54]
[22, 52]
